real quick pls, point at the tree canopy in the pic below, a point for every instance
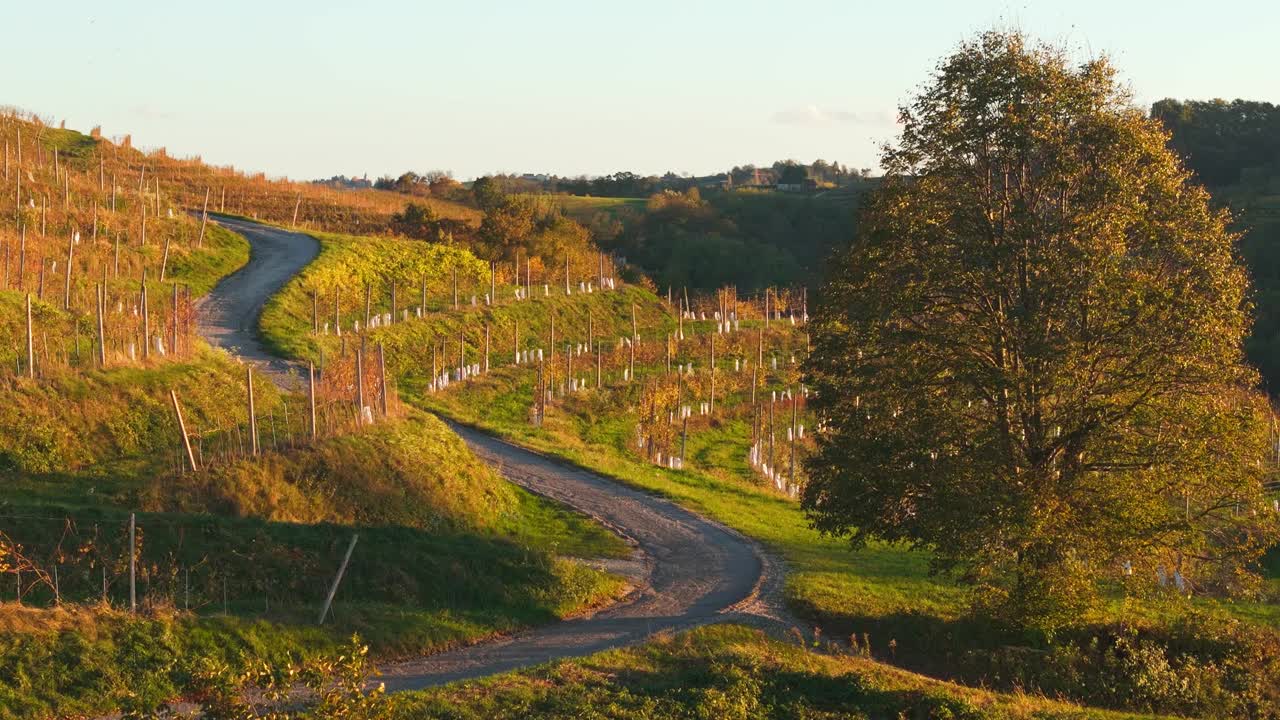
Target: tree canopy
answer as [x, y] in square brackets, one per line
[1029, 361]
[1225, 143]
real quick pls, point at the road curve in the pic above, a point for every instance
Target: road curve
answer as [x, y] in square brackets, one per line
[691, 570]
[228, 316]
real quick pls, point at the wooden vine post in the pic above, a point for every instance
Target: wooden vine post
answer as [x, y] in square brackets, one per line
[333, 589]
[66, 285]
[794, 432]
[173, 335]
[711, 406]
[311, 396]
[486, 347]
[31, 345]
[359, 385]
[253, 418]
[382, 378]
[204, 219]
[133, 564]
[182, 427]
[146, 319]
[337, 319]
[102, 330]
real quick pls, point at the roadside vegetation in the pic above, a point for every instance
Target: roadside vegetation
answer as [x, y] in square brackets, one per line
[726, 671]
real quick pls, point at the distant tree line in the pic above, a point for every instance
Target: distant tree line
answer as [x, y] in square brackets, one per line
[750, 240]
[1225, 143]
[1234, 150]
[435, 183]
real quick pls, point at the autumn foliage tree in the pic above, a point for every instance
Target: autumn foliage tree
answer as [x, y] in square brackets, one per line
[1029, 361]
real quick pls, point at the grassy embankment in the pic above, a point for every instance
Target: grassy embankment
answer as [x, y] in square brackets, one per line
[725, 671]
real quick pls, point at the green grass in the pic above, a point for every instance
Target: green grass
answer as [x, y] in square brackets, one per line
[723, 671]
[584, 208]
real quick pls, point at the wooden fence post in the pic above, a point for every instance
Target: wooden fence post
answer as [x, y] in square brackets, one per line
[311, 395]
[711, 408]
[486, 347]
[66, 290]
[794, 429]
[146, 319]
[173, 336]
[102, 329]
[182, 427]
[133, 565]
[360, 385]
[333, 589]
[337, 319]
[253, 419]
[31, 345]
[204, 219]
[382, 378]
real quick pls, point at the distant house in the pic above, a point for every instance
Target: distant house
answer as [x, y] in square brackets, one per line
[807, 185]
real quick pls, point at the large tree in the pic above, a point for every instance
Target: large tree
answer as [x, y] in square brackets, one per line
[1029, 360]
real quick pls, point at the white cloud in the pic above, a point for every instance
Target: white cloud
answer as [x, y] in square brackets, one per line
[814, 116]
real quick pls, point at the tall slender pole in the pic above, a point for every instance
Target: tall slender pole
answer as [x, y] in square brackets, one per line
[712, 404]
[146, 320]
[794, 412]
[253, 416]
[311, 396]
[382, 377]
[31, 345]
[66, 288]
[173, 336]
[133, 565]
[333, 589]
[182, 427]
[359, 385]
[204, 218]
[102, 330]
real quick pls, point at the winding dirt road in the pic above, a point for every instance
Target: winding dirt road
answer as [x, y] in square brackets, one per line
[228, 316]
[688, 570]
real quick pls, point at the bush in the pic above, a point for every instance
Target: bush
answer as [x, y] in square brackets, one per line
[1201, 666]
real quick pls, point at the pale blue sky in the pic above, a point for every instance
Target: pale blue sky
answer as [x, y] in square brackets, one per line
[309, 89]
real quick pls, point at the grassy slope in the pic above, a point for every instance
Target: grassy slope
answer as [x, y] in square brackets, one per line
[449, 553]
[724, 671]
